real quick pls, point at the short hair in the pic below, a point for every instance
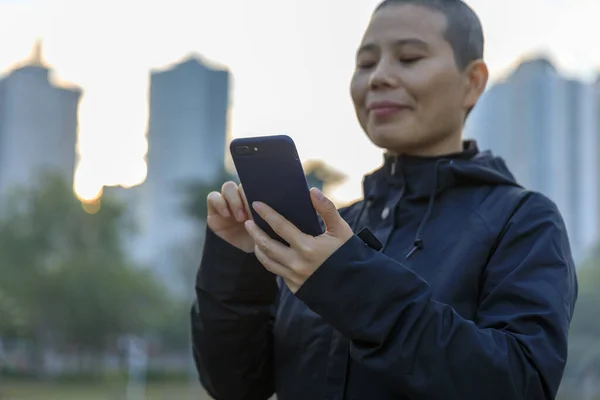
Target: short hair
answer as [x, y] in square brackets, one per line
[463, 32]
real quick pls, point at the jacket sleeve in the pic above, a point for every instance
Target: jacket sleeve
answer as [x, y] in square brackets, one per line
[232, 323]
[515, 349]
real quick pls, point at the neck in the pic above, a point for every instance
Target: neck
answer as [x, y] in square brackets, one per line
[449, 145]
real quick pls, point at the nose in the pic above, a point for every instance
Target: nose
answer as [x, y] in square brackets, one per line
[383, 76]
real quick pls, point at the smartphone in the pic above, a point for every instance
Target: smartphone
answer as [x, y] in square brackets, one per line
[270, 171]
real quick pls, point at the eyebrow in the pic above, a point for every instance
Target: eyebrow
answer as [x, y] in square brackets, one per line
[372, 47]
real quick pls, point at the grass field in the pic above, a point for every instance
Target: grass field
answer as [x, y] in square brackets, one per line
[49, 391]
[117, 391]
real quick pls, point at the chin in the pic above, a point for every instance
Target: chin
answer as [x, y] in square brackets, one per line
[393, 138]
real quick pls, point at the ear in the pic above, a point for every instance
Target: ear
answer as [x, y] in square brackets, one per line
[475, 77]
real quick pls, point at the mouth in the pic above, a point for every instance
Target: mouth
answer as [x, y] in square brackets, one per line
[385, 109]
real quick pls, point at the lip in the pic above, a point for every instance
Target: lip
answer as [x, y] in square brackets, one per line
[385, 108]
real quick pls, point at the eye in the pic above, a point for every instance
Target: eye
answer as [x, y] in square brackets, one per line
[410, 60]
[365, 63]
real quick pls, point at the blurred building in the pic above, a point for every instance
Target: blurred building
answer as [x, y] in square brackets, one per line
[545, 127]
[38, 125]
[584, 157]
[187, 129]
[597, 167]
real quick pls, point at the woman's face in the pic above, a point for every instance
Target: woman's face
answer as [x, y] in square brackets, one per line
[410, 97]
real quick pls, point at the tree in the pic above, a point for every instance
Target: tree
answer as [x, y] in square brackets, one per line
[65, 272]
[321, 175]
[196, 192]
[14, 322]
[584, 335]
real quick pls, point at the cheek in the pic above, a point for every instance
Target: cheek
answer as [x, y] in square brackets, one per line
[358, 99]
[440, 94]
[358, 92]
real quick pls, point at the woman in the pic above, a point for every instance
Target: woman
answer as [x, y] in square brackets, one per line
[468, 289]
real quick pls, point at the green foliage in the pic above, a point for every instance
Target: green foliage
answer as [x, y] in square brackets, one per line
[195, 194]
[584, 334]
[585, 320]
[64, 277]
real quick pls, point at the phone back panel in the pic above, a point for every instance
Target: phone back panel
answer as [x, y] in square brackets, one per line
[271, 172]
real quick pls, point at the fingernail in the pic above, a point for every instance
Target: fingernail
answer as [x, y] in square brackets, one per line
[319, 195]
[257, 205]
[241, 215]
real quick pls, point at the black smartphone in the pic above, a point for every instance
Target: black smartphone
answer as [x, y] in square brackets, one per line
[270, 171]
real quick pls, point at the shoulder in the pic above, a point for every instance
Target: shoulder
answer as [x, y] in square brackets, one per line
[504, 205]
[535, 207]
[536, 227]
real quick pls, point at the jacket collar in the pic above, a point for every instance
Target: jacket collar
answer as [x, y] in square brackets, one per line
[416, 175]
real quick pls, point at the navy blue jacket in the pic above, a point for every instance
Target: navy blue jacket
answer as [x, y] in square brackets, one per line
[470, 298]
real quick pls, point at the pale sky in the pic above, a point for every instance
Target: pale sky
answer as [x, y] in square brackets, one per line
[291, 59]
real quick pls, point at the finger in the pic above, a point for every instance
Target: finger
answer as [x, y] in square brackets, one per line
[271, 265]
[271, 248]
[281, 226]
[245, 201]
[334, 222]
[234, 200]
[275, 267]
[216, 204]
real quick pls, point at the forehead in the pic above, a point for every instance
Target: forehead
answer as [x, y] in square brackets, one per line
[406, 22]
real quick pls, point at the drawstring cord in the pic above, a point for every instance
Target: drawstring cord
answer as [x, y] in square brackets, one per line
[418, 243]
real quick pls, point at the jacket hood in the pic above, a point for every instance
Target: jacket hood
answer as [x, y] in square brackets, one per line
[422, 177]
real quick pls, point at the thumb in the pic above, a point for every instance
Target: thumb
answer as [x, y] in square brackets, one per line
[328, 211]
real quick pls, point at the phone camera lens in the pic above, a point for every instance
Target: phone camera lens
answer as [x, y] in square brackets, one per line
[243, 150]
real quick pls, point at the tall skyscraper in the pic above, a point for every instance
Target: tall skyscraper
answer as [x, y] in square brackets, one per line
[597, 149]
[583, 176]
[38, 125]
[186, 144]
[545, 126]
[188, 121]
